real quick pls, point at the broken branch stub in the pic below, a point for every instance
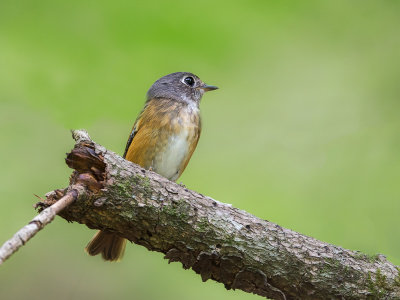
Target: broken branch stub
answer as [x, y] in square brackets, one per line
[214, 239]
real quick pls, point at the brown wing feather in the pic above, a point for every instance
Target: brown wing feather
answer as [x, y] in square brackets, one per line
[142, 139]
[151, 131]
[153, 128]
[134, 130]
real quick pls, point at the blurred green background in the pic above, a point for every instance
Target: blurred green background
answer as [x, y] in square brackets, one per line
[304, 131]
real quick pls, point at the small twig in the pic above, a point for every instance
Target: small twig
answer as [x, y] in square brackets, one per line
[46, 216]
[216, 240]
[27, 232]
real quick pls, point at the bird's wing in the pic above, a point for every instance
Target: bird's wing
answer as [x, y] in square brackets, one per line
[135, 129]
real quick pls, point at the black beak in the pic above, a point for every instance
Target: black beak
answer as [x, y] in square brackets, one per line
[207, 87]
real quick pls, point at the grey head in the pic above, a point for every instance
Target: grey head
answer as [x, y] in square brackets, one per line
[180, 86]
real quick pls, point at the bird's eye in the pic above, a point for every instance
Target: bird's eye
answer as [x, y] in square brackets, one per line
[189, 81]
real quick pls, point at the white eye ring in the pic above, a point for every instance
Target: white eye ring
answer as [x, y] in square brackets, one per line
[188, 80]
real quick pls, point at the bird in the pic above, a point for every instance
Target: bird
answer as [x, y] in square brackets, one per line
[163, 139]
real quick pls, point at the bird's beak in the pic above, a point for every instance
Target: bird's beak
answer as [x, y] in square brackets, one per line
[207, 87]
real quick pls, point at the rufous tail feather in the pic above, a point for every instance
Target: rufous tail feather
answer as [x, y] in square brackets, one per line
[110, 246]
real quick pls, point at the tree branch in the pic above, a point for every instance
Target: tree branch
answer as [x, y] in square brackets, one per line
[28, 231]
[217, 241]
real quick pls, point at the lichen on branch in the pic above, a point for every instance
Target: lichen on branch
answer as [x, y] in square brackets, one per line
[214, 239]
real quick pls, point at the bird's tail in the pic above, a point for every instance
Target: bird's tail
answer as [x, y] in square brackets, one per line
[111, 246]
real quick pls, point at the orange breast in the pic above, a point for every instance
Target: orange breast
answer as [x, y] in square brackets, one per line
[166, 136]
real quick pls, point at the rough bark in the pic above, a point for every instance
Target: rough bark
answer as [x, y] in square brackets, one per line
[216, 240]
